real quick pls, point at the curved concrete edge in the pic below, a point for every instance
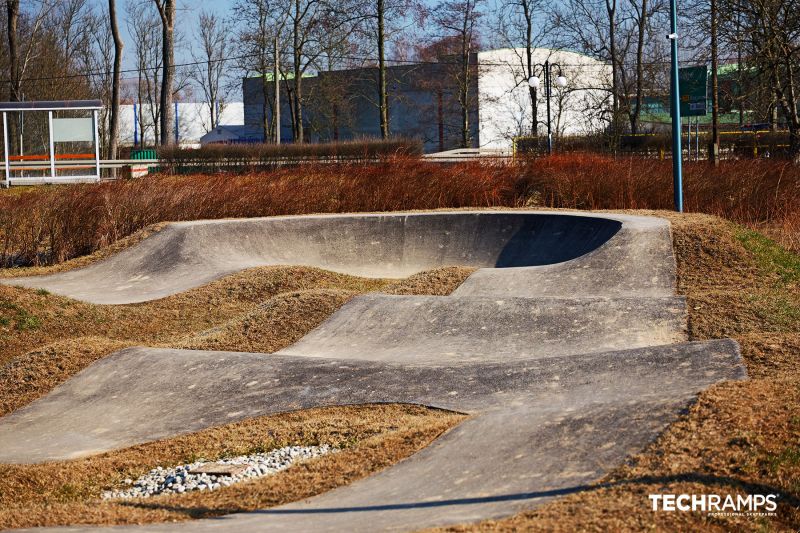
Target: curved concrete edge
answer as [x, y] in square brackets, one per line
[541, 429]
[130, 397]
[185, 255]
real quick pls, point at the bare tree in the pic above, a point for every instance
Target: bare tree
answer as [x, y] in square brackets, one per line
[255, 39]
[771, 34]
[383, 98]
[459, 19]
[516, 25]
[166, 10]
[118, 49]
[143, 27]
[212, 38]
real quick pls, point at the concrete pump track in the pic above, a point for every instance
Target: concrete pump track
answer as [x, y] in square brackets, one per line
[568, 347]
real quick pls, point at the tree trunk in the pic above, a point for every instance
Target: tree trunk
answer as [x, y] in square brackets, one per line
[713, 152]
[12, 7]
[383, 100]
[118, 47]
[637, 110]
[465, 50]
[529, 56]
[298, 89]
[166, 9]
[611, 8]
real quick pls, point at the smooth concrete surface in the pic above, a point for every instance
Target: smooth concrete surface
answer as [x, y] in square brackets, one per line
[567, 347]
[540, 428]
[435, 330]
[188, 254]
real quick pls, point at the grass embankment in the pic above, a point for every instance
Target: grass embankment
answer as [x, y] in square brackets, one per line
[48, 225]
[739, 437]
[45, 339]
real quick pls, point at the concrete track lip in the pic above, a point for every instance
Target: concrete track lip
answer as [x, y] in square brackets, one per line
[567, 347]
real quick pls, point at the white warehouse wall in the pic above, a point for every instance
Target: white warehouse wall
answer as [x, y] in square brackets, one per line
[194, 121]
[504, 100]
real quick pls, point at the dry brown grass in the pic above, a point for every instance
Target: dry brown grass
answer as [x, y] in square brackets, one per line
[34, 319]
[371, 437]
[739, 437]
[55, 224]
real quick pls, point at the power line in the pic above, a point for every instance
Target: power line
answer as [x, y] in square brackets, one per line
[90, 74]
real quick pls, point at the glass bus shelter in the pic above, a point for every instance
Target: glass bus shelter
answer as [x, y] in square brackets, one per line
[51, 142]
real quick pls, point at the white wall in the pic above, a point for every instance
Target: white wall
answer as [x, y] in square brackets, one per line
[194, 121]
[504, 98]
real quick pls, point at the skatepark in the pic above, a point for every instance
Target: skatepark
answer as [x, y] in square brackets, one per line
[567, 347]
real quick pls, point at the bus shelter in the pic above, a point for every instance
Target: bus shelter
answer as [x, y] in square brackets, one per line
[51, 142]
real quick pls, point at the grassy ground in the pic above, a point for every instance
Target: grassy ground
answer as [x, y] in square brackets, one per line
[739, 437]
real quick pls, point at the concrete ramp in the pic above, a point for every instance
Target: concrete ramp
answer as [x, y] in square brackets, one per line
[435, 330]
[188, 254]
[567, 346]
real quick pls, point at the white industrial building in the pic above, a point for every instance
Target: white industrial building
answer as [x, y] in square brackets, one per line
[193, 118]
[504, 102]
[423, 101]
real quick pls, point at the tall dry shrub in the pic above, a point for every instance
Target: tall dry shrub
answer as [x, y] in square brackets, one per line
[53, 224]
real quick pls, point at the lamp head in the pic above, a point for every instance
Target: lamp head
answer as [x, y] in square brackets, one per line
[533, 81]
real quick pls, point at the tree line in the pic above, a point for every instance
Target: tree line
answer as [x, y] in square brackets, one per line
[62, 49]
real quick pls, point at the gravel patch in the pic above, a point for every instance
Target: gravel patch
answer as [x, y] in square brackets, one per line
[180, 479]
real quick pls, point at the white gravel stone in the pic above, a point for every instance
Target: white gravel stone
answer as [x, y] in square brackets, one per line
[180, 480]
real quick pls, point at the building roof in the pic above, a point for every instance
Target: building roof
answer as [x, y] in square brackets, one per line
[52, 104]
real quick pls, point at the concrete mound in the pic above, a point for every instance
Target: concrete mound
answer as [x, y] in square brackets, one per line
[567, 345]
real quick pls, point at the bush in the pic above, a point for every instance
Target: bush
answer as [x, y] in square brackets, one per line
[250, 157]
[56, 223]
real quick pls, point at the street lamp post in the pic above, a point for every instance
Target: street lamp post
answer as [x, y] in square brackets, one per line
[675, 100]
[534, 82]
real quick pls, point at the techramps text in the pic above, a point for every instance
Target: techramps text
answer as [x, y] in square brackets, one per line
[568, 348]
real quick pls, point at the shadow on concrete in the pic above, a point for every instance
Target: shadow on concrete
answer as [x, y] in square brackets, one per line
[730, 483]
[550, 239]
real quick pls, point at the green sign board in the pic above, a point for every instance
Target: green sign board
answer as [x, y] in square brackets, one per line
[694, 90]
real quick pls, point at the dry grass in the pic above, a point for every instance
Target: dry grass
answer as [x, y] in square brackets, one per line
[372, 437]
[739, 437]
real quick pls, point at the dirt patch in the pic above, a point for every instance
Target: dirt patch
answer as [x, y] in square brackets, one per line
[438, 281]
[273, 325]
[739, 437]
[34, 374]
[283, 319]
[32, 319]
[371, 437]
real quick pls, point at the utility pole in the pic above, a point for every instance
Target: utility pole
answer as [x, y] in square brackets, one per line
[675, 100]
[713, 152]
[276, 114]
[547, 96]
